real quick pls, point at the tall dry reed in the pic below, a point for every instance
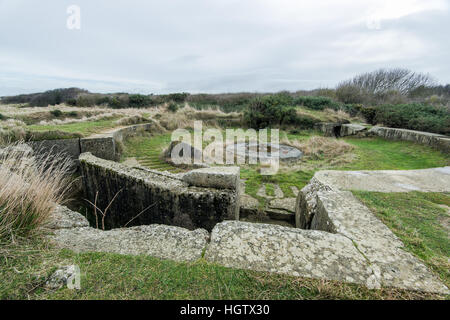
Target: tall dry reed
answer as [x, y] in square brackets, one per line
[31, 185]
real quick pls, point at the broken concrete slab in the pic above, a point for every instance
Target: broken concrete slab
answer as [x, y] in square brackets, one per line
[339, 212]
[214, 177]
[286, 204]
[160, 241]
[64, 218]
[352, 130]
[296, 252]
[306, 203]
[249, 205]
[72, 231]
[280, 215]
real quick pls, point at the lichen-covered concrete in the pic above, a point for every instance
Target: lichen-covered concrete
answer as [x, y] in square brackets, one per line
[71, 231]
[345, 215]
[330, 210]
[215, 177]
[64, 218]
[297, 252]
[437, 141]
[352, 130]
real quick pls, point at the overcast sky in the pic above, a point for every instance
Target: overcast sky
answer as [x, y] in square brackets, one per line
[161, 46]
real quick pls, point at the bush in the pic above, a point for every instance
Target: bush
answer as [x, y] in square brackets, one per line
[178, 97]
[316, 103]
[72, 102]
[415, 117]
[369, 114]
[173, 107]
[138, 101]
[56, 113]
[227, 102]
[383, 86]
[43, 99]
[274, 110]
[86, 100]
[30, 188]
[348, 93]
[119, 102]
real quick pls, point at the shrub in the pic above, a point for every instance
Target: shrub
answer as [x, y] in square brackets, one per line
[173, 107]
[138, 101]
[348, 93]
[43, 99]
[56, 113]
[369, 114]
[316, 103]
[415, 117]
[30, 188]
[72, 102]
[119, 102]
[178, 97]
[275, 110]
[86, 100]
[383, 86]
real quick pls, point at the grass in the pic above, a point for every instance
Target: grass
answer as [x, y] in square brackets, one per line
[147, 151]
[420, 220]
[370, 154]
[85, 128]
[381, 154]
[30, 187]
[112, 276]
[285, 180]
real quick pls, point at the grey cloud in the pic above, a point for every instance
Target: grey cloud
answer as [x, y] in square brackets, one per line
[212, 46]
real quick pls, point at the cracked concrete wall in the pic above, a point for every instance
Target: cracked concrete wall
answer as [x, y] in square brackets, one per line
[172, 201]
[71, 230]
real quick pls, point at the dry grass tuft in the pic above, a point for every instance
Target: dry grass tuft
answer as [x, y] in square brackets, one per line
[12, 129]
[184, 118]
[30, 188]
[316, 147]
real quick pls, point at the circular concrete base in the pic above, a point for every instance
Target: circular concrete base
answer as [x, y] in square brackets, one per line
[252, 152]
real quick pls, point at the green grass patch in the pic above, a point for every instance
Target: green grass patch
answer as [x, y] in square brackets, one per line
[381, 154]
[420, 220]
[86, 128]
[24, 270]
[147, 151]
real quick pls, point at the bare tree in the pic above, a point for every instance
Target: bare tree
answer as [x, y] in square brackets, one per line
[382, 82]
